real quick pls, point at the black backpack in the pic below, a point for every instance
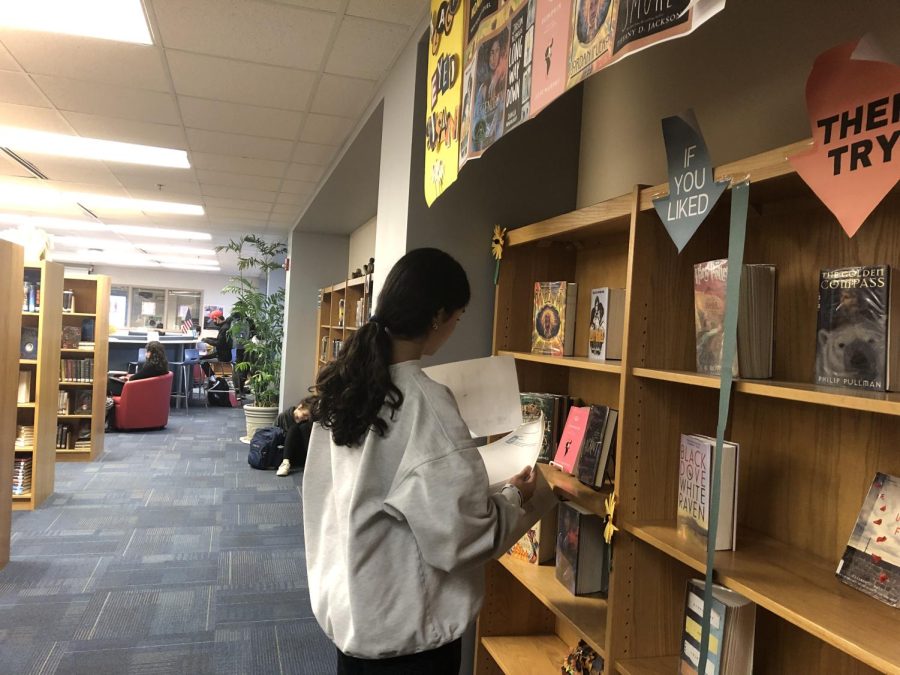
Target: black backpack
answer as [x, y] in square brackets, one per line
[217, 392]
[266, 448]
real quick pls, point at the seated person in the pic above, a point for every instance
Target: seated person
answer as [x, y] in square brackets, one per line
[222, 342]
[296, 425]
[155, 365]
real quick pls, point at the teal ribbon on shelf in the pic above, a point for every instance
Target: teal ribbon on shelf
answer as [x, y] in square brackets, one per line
[737, 235]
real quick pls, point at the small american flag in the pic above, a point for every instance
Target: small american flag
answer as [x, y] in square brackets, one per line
[187, 325]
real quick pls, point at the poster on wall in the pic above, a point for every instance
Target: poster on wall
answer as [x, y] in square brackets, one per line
[551, 40]
[641, 24]
[444, 94]
[590, 39]
[518, 77]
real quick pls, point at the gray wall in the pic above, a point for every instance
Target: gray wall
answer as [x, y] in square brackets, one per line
[317, 260]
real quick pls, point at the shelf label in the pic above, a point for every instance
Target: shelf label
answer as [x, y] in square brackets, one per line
[692, 191]
[853, 103]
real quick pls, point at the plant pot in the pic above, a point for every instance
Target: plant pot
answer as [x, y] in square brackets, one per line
[258, 418]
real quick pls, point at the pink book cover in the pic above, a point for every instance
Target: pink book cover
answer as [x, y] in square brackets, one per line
[572, 437]
[551, 47]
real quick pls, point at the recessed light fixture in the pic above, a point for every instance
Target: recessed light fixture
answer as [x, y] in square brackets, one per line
[64, 145]
[120, 20]
[33, 197]
[159, 232]
[100, 257]
[72, 225]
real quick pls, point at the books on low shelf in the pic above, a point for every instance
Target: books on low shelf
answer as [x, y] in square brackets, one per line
[538, 545]
[695, 469]
[549, 405]
[856, 338]
[871, 561]
[24, 436]
[607, 324]
[63, 433]
[24, 392]
[553, 319]
[731, 632]
[21, 483]
[62, 403]
[76, 370]
[582, 555]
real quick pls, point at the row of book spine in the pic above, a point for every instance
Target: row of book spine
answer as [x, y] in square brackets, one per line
[76, 370]
[63, 433]
[31, 299]
[21, 483]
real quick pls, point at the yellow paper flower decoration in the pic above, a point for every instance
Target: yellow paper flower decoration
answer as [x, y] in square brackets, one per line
[497, 242]
[610, 529]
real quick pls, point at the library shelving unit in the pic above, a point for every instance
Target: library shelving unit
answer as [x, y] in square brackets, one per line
[808, 454]
[336, 319]
[90, 306]
[40, 412]
[11, 257]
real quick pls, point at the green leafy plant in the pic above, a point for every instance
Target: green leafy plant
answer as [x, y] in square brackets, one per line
[261, 311]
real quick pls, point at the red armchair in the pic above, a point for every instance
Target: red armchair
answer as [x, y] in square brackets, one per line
[144, 404]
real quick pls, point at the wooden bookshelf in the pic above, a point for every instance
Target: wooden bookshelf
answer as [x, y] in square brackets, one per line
[328, 320]
[91, 296]
[533, 654]
[808, 454]
[11, 259]
[45, 378]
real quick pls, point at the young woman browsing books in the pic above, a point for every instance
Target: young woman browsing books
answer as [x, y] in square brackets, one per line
[398, 518]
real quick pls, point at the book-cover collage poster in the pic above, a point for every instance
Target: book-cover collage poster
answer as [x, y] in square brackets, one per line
[494, 64]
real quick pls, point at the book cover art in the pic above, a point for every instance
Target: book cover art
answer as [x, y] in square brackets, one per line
[592, 446]
[590, 38]
[518, 81]
[710, 280]
[852, 328]
[692, 632]
[536, 546]
[533, 405]
[71, 337]
[597, 329]
[83, 402]
[567, 547]
[551, 40]
[28, 345]
[695, 470]
[490, 77]
[548, 325]
[871, 561]
[569, 447]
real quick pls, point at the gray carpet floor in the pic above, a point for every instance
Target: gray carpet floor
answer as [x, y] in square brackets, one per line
[167, 555]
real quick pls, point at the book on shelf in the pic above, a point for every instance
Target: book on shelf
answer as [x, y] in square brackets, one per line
[28, 344]
[871, 561]
[83, 403]
[538, 545]
[731, 632]
[71, 337]
[583, 660]
[62, 403]
[553, 320]
[856, 331]
[24, 436]
[569, 446]
[24, 393]
[695, 469]
[607, 325]
[582, 555]
[533, 406]
[87, 331]
[756, 318]
[31, 301]
[597, 451]
[68, 301]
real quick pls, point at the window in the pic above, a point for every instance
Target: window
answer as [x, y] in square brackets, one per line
[178, 304]
[148, 306]
[154, 308]
[118, 306]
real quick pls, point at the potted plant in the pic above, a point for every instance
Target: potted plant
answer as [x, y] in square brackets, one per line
[262, 315]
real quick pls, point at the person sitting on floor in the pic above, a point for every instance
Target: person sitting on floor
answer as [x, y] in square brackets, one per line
[296, 426]
[155, 365]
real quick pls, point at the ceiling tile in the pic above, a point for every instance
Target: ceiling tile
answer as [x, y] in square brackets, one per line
[18, 88]
[262, 32]
[234, 164]
[128, 131]
[239, 81]
[104, 99]
[326, 129]
[305, 172]
[286, 209]
[159, 174]
[314, 153]
[252, 224]
[236, 118]
[72, 170]
[228, 192]
[326, 5]
[218, 212]
[346, 96]
[27, 117]
[7, 62]
[183, 188]
[407, 12]
[295, 200]
[365, 48]
[182, 193]
[106, 61]
[297, 187]
[246, 204]
[222, 143]
[238, 180]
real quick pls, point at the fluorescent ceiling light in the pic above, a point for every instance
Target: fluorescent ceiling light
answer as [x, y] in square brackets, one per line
[64, 145]
[159, 232]
[121, 20]
[193, 268]
[137, 260]
[91, 258]
[122, 245]
[72, 225]
[37, 198]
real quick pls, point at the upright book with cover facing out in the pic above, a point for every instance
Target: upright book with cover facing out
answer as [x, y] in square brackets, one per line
[598, 446]
[731, 632]
[533, 406]
[569, 446]
[537, 546]
[28, 346]
[607, 324]
[857, 329]
[694, 490]
[553, 320]
[710, 280]
[871, 561]
[582, 555]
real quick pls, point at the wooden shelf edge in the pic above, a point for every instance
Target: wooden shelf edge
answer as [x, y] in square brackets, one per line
[799, 588]
[653, 665]
[74, 417]
[581, 362]
[575, 221]
[66, 383]
[535, 654]
[27, 362]
[76, 351]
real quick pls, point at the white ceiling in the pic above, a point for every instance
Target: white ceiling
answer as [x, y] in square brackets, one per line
[261, 94]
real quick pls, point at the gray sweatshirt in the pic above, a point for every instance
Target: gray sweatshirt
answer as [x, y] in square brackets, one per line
[398, 529]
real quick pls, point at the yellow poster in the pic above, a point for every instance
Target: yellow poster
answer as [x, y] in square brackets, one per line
[444, 92]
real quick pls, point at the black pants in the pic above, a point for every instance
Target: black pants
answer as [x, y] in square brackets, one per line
[444, 660]
[114, 386]
[296, 443]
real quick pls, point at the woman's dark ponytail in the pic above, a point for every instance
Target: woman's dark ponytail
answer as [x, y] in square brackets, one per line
[352, 389]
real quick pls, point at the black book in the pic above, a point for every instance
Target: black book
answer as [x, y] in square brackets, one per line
[28, 347]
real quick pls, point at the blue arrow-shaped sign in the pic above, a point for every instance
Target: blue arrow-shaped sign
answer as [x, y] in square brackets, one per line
[692, 190]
